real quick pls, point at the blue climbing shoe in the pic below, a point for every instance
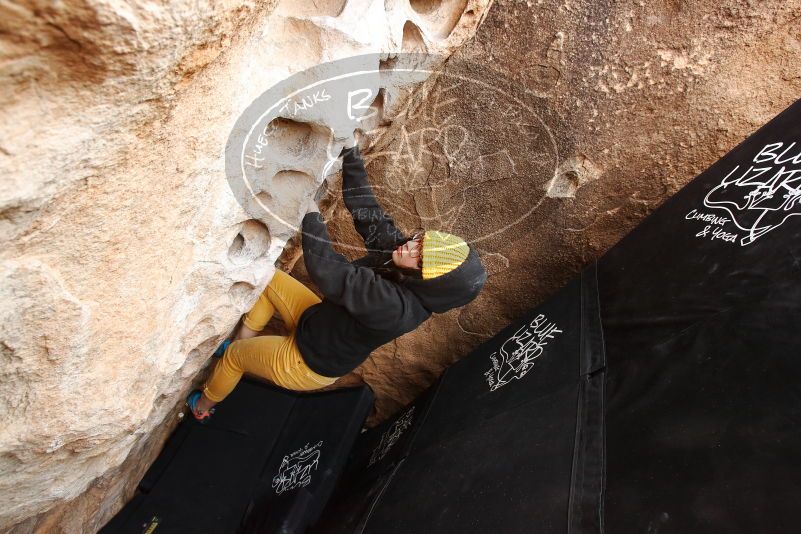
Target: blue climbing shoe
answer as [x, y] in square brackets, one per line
[221, 349]
[191, 402]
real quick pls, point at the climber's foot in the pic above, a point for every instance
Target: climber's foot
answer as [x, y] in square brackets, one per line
[221, 349]
[192, 401]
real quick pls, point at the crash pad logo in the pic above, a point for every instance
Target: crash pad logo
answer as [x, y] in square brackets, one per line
[757, 199]
[296, 468]
[516, 356]
[391, 436]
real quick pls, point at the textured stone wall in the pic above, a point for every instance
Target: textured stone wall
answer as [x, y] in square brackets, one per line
[125, 258]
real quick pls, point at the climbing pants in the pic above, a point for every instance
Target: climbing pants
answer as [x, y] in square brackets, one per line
[275, 358]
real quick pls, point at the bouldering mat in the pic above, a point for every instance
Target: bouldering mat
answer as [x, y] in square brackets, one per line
[212, 477]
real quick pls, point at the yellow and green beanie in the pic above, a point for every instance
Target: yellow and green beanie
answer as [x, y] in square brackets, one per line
[442, 253]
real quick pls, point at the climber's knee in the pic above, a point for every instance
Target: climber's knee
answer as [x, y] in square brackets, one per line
[231, 357]
[260, 314]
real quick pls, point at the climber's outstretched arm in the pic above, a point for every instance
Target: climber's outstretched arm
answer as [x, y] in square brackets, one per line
[374, 225]
[371, 299]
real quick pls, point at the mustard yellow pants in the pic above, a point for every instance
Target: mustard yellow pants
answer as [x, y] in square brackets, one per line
[275, 358]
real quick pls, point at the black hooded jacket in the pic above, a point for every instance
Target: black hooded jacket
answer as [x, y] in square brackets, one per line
[361, 310]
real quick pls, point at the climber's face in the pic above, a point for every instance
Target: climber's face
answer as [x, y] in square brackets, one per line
[409, 255]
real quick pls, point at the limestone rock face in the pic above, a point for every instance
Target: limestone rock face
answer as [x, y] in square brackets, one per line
[125, 257]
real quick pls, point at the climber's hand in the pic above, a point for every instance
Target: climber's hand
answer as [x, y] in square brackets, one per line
[344, 149]
[350, 142]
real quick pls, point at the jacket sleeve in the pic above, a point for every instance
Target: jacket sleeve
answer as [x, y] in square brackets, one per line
[372, 300]
[374, 225]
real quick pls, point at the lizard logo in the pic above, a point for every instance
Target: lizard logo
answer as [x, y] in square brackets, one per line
[516, 356]
[764, 196]
[391, 436]
[296, 468]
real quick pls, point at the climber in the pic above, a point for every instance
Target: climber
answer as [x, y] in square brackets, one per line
[367, 302]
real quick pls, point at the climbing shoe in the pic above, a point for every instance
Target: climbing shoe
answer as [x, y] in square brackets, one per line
[191, 402]
[221, 349]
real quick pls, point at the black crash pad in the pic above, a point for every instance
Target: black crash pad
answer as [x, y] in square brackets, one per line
[505, 414]
[267, 457]
[701, 308]
[372, 463]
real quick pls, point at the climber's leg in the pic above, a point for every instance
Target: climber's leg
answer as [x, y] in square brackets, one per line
[290, 298]
[274, 358]
[285, 294]
[258, 355]
[259, 315]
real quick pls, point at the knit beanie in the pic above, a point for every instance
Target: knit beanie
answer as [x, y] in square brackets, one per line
[442, 253]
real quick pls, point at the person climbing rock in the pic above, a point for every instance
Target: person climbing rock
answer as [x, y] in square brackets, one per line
[368, 302]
